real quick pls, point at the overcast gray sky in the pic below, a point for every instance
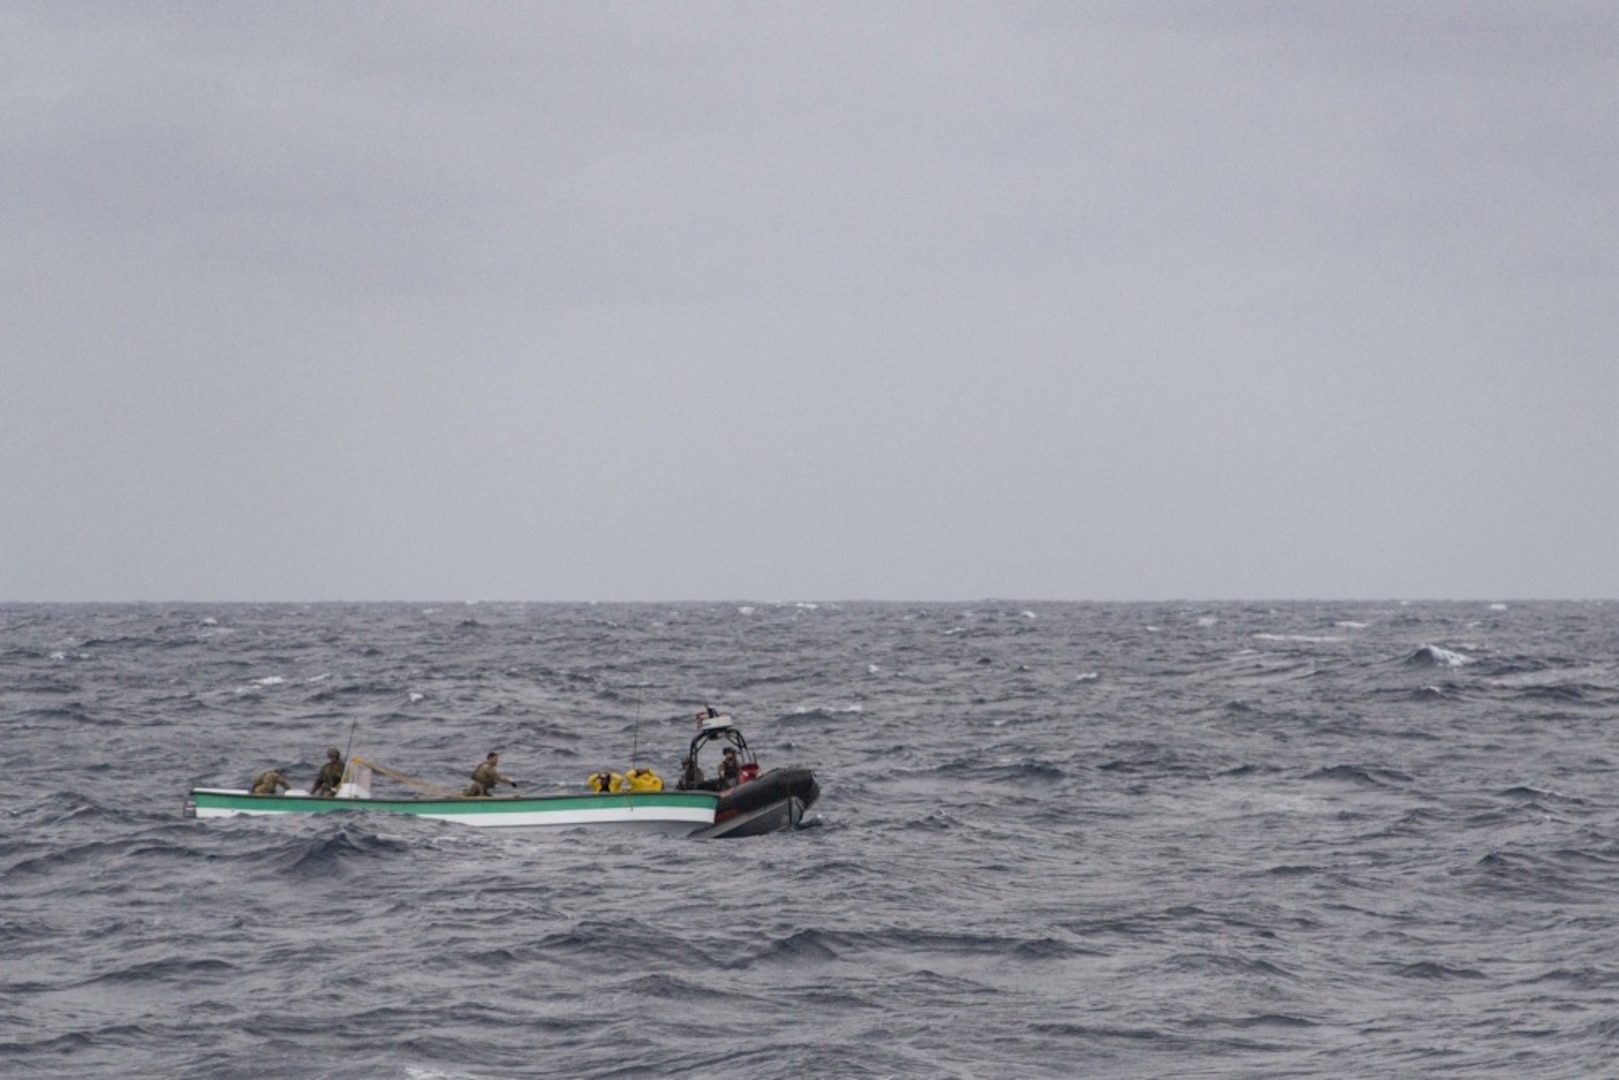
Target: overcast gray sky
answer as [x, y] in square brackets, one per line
[929, 301]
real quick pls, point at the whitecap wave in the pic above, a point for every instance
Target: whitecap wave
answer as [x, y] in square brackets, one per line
[1434, 656]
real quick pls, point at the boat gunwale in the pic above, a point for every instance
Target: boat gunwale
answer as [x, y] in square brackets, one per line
[239, 799]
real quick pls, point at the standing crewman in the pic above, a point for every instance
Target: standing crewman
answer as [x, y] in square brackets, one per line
[486, 776]
[330, 776]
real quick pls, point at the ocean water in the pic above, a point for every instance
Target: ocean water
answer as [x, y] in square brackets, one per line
[1232, 840]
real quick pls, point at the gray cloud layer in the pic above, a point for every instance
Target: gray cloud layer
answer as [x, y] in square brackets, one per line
[630, 301]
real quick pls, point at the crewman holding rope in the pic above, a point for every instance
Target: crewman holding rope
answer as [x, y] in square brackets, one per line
[486, 776]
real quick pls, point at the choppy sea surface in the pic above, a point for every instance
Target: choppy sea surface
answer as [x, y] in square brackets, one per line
[1231, 840]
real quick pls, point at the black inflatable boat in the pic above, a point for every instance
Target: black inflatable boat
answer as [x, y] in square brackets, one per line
[751, 802]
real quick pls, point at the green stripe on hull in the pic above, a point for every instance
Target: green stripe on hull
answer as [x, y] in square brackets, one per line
[653, 808]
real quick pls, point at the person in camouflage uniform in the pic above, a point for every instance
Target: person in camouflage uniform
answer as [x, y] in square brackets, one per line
[486, 776]
[270, 782]
[330, 775]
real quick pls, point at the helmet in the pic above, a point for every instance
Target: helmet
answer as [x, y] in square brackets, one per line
[334, 753]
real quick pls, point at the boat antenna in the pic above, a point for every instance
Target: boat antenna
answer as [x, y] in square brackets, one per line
[635, 736]
[348, 768]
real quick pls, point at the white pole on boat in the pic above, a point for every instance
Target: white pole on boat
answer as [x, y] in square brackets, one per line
[348, 776]
[635, 732]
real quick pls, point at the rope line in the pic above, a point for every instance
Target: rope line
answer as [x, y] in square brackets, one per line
[409, 781]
